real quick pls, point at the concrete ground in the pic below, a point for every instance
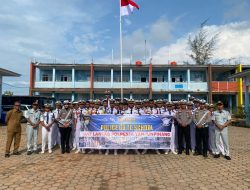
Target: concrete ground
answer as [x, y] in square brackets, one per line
[139, 172]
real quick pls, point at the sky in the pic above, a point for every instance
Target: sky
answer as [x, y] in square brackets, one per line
[78, 31]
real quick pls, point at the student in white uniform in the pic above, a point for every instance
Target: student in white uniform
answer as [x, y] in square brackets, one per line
[222, 120]
[169, 119]
[47, 121]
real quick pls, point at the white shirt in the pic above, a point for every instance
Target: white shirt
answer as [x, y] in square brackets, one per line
[47, 118]
[221, 117]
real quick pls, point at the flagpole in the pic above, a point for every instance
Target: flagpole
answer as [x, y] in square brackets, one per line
[121, 51]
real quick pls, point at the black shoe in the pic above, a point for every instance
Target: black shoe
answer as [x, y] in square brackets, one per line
[63, 151]
[179, 152]
[216, 156]
[29, 153]
[197, 154]
[7, 155]
[205, 155]
[227, 157]
[187, 152]
[36, 151]
[68, 151]
[16, 153]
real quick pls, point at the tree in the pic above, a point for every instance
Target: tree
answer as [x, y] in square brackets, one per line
[8, 93]
[201, 46]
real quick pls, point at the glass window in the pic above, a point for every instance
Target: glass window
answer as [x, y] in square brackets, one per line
[125, 76]
[140, 76]
[179, 76]
[197, 76]
[160, 76]
[82, 76]
[46, 75]
[64, 75]
[102, 76]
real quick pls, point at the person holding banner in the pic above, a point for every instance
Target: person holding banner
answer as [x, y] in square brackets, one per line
[184, 118]
[79, 124]
[168, 121]
[130, 110]
[201, 120]
[65, 123]
[151, 110]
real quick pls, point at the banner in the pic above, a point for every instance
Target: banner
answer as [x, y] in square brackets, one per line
[126, 132]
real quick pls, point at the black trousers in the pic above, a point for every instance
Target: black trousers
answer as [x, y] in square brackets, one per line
[202, 140]
[65, 135]
[183, 132]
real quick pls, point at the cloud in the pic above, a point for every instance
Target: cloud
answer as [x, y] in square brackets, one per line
[233, 42]
[238, 9]
[156, 34]
[44, 29]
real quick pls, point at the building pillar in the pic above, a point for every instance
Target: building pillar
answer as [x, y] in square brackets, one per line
[150, 80]
[169, 79]
[131, 95]
[73, 96]
[230, 102]
[32, 78]
[53, 94]
[112, 95]
[54, 76]
[131, 77]
[169, 97]
[73, 77]
[112, 77]
[209, 83]
[188, 79]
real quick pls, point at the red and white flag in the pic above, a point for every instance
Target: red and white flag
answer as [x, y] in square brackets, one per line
[127, 7]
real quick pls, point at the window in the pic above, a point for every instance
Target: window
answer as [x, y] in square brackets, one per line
[197, 76]
[154, 80]
[46, 77]
[143, 79]
[179, 76]
[64, 78]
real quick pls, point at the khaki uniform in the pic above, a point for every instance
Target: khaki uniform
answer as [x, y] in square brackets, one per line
[201, 117]
[184, 117]
[13, 120]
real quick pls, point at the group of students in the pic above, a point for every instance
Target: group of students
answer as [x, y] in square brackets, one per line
[196, 126]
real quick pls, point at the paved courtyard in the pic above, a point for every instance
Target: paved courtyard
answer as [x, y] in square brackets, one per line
[150, 171]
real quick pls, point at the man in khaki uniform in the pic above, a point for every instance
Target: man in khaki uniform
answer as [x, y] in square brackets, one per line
[13, 120]
[201, 121]
[184, 118]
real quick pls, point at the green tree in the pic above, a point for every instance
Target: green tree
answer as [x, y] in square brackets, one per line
[202, 47]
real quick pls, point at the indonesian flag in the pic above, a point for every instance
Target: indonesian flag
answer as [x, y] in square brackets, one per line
[127, 7]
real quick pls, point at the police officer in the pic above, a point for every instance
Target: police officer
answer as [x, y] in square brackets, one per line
[184, 118]
[222, 120]
[33, 121]
[47, 120]
[65, 124]
[56, 138]
[201, 120]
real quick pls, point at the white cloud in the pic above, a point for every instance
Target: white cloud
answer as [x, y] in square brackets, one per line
[233, 42]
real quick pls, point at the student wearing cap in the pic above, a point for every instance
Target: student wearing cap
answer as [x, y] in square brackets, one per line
[129, 111]
[47, 120]
[201, 120]
[222, 120]
[65, 123]
[33, 121]
[168, 121]
[184, 118]
[79, 124]
[56, 138]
